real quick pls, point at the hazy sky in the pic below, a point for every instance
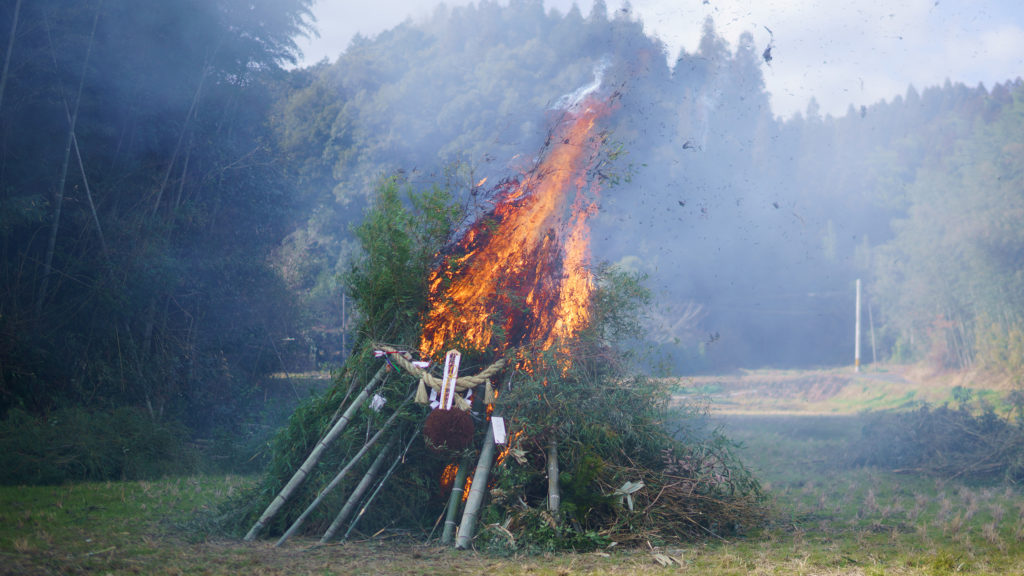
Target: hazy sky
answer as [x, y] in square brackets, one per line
[841, 52]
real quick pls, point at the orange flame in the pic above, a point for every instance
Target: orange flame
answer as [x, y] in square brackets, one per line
[507, 448]
[448, 477]
[519, 274]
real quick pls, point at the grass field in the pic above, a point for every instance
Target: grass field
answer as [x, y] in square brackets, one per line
[841, 391]
[831, 518]
[827, 518]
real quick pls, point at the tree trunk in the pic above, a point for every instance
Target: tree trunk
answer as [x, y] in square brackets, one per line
[314, 457]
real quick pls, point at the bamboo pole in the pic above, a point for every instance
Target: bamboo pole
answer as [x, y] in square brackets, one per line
[59, 200]
[380, 485]
[554, 496]
[341, 475]
[458, 487]
[357, 494]
[476, 492]
[88, 195]
[10, 49]
[314, 456]
[184, 129]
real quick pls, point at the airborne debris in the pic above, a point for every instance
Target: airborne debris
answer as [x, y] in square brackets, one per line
[767, 54]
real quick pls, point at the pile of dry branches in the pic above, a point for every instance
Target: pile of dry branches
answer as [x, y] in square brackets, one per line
[947, 442]
[633, 469]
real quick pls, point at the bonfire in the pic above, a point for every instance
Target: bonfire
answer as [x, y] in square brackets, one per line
[513, 404]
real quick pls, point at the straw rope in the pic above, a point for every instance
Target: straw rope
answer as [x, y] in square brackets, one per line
[461, 385]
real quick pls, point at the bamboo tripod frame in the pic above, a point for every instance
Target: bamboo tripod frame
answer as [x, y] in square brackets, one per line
[474, 500]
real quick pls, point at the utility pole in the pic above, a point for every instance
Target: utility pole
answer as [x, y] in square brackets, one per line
[856, 333]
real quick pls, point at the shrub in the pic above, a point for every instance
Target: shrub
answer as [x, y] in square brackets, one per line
[944, 441]
[74, 444]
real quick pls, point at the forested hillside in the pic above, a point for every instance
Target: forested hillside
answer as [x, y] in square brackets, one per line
[752, 228]
[176, 208]
[142, 189]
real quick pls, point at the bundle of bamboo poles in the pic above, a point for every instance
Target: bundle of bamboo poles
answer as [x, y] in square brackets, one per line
[462, 533]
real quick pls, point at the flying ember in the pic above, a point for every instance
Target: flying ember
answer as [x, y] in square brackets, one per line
[519, 274]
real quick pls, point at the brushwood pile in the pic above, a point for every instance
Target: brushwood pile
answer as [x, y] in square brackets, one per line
[633, 465]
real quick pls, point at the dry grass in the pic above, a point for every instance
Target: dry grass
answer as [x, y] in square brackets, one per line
[840, 390]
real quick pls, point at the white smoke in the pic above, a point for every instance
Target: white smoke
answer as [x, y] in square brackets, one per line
[706, 104]
[571, 101]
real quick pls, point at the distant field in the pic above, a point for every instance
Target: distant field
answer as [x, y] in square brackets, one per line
[827, 516]
[838, 390]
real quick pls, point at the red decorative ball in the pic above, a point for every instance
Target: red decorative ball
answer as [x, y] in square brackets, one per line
[448, 430]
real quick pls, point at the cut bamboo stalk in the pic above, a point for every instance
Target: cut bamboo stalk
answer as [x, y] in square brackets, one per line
[380, 485]
[458, 487]
[357, 494]
[476, 492]
[554, 496]
[341, 475]
[314, 456]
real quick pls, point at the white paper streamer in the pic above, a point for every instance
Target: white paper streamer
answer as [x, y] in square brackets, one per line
[451, 374]
[377, 402]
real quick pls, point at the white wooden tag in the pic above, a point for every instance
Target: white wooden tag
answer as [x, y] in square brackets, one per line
[498, 426]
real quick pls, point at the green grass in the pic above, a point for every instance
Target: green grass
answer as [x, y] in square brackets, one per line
[843, 519]
[109, 526]
[827, 518]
